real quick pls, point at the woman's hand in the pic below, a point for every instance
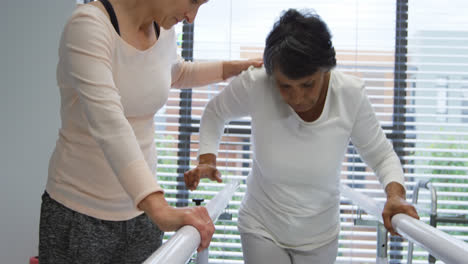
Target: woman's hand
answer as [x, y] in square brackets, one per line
[206, 169]
[233, 68]
[193, 176]
[396, 204]
[168, 218]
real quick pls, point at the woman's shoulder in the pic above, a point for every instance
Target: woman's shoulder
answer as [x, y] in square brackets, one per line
[255, 76]
[346, 82]
[90, 16]
[86, 23]
[346, 88]
[89, 10]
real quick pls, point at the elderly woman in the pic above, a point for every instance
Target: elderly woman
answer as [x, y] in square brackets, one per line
[303, 115]
[117, 61]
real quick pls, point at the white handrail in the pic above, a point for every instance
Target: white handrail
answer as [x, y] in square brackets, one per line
[181, 246]
[365, 202]
[440, 244]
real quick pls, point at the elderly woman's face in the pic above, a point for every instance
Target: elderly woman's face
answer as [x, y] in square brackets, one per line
[301, 94]
[181, 10]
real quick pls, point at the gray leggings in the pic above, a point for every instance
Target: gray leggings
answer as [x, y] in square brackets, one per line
[66, 236]
[261, 250]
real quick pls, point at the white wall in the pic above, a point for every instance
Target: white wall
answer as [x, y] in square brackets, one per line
[29, 112]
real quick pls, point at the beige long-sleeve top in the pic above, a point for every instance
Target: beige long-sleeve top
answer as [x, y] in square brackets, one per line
[105, 158]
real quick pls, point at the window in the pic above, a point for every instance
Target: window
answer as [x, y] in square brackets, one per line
[438, 57]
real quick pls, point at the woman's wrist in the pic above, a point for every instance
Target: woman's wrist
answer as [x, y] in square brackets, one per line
[208, 158]
[160, 212]
[235, 67]
[395, 189]
[227, 69]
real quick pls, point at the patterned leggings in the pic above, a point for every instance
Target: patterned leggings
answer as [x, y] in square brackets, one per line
[66, 236]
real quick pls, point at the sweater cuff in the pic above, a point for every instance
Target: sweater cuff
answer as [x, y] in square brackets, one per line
[207, 148]
[138, 181]
[385, 182]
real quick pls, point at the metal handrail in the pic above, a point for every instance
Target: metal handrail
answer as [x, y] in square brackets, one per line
[440, 244]
[433, 214]
[181, 246]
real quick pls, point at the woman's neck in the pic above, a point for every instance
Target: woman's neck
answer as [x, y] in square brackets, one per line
[138, 14]
[314, 113]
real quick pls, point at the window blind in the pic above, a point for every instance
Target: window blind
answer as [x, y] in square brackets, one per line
[436, 107]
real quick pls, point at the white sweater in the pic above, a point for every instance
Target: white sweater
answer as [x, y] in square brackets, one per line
[293, 188]
[104, 162]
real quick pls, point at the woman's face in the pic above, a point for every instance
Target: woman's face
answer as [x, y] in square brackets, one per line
[179, 10]
[301, 94]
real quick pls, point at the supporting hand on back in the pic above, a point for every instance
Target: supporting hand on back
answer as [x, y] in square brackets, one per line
[233, 68]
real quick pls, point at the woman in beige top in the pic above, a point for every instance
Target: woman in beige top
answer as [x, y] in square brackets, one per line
[117, 62]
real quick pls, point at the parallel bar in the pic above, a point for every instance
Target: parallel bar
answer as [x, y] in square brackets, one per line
[365, 202]
[440, 244]
[181, 246]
